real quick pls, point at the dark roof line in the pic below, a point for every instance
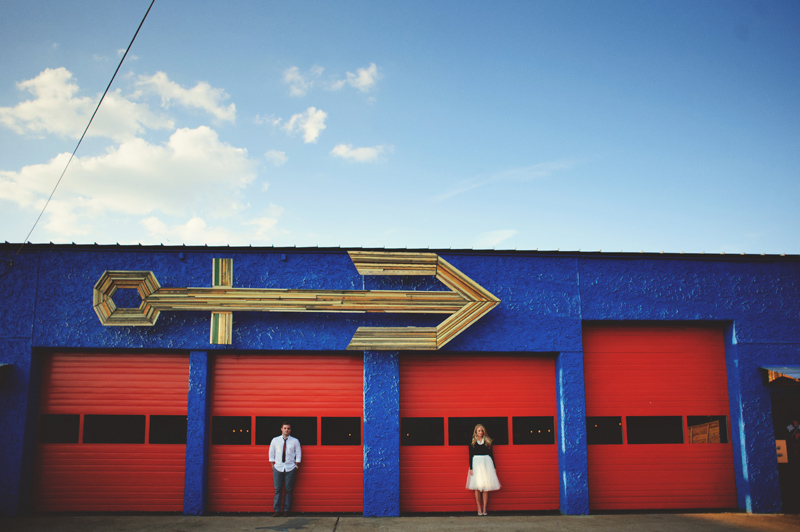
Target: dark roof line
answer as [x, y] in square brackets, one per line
[333, 249]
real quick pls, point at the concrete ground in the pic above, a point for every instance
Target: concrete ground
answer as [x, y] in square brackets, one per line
[716, 522]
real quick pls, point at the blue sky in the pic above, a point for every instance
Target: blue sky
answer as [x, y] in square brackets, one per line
[655, 126]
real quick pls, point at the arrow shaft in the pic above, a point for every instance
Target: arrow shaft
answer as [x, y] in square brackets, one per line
[224, 299]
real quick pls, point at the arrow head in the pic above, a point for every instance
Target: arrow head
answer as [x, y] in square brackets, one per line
[478, 301]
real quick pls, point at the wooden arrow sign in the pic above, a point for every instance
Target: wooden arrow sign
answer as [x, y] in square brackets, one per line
[466, 303]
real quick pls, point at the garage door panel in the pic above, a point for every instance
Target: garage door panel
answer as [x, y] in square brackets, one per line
[241, 480]
[112, 477]
[457, 382]
[522, 481]
[674, 371]
[626, 339]
[87, 478]
[433, 478]
[663, 502]
[330, 477]
[529, 475]
[115, 384]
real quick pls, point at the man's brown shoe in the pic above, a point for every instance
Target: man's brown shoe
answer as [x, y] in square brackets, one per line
[276, 514]
[286, 514]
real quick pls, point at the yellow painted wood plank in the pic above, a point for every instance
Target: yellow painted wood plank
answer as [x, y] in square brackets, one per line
[222, 328]
[454, 279]
[222, 272]
[391, 338]
[388, 263]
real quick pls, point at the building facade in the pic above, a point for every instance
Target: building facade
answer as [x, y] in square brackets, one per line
[140, 378]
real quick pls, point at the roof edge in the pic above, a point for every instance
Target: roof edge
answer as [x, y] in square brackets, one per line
[443, 251]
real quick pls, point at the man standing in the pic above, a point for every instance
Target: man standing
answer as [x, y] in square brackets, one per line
[285, 456]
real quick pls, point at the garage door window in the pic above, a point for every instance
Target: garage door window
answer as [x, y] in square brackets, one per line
[341, 431]
[422, 431]
[303, 428]
[59, 428]
[533, 430]
[707, 429]
[113, 429]
[168, 430]
[460, 429]
[230, 430]
[604, 430]
[655, 429]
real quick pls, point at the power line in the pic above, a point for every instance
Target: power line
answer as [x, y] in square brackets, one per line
[11, 261]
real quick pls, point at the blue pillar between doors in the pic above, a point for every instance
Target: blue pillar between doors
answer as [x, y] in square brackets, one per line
[381, 434]
[197, 435]
[573, 463]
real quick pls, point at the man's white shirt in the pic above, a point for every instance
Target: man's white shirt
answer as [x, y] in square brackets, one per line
[293, 453]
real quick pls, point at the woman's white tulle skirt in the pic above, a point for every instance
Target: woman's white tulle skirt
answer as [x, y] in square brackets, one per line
[484, 476]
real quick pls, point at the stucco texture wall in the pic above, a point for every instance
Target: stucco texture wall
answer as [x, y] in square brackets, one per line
[46, 303]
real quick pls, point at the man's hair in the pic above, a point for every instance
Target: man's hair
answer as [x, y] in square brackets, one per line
[285, 423]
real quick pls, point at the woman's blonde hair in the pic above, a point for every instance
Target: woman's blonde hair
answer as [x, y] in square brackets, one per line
[486, 439]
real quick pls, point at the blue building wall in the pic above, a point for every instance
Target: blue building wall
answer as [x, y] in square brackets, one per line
[45, 303]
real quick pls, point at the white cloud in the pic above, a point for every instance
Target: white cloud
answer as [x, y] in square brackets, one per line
[299, 85]
[192, 172]
[63, 219]
[266, 225]
[155, 227]
[178, 190]
[361, 155]
[278, 158]
[490, 239]
[56, 109]
[268, 119]
[364, 79]
[518, 175]
[311, 123]
[195, 231]
[202, 96]
[263, 224]
[129, 57]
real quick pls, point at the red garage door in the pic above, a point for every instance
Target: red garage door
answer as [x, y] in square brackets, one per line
[443, 396]
[321, 396]
[657, 418]
[112, 432]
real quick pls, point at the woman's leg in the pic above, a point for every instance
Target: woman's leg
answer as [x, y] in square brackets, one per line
[478, 500]
[485, 500]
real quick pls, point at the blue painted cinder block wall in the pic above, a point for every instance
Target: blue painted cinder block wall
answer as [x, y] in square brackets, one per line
[45, 303]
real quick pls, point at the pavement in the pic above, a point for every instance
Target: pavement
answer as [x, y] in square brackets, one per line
[647, 522]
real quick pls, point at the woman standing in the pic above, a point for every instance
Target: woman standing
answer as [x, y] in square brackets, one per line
[482, 476]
